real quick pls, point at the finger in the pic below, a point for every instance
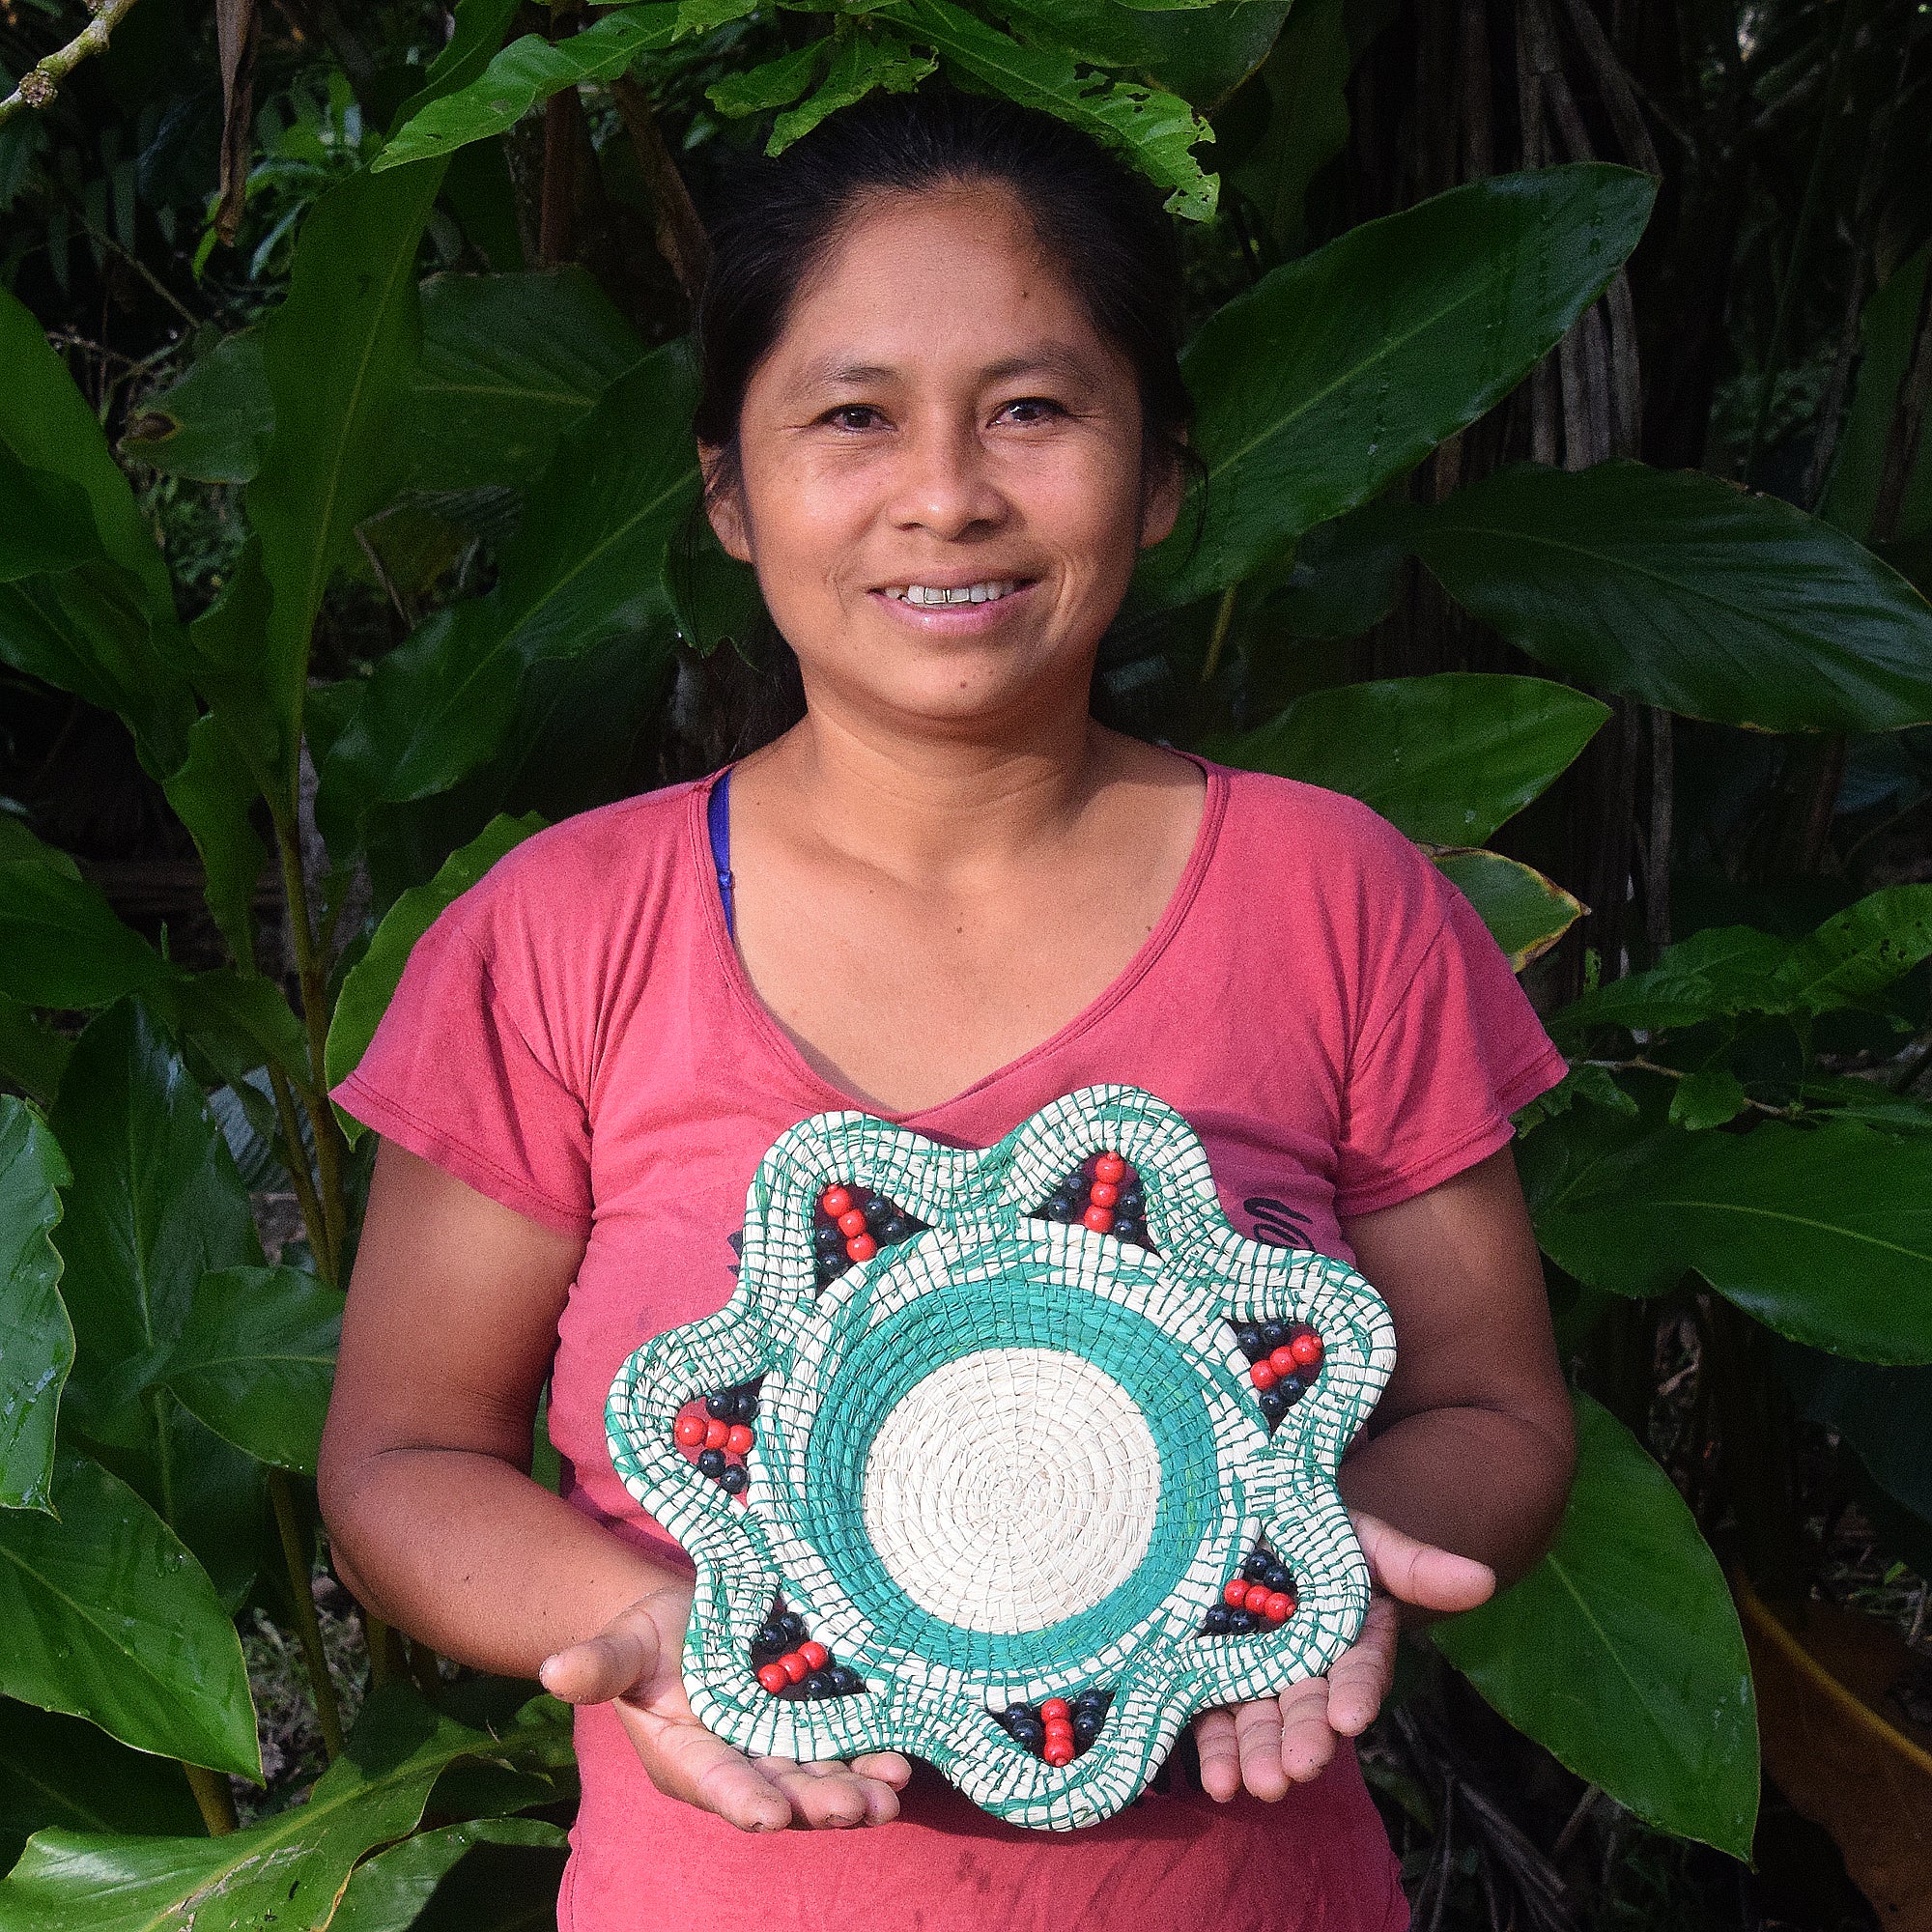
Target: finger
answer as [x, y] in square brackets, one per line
[823, 1797]
[617, 1658]
[1219, 1751]
[686, 1761]
[1307, 1739]
[1358, 1680]
[1257, 1736]
[889, 1768]
[1420, 1573]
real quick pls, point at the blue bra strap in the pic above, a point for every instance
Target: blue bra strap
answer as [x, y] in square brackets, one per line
[718, 820]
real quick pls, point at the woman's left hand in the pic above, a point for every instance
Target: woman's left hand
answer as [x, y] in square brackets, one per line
[1276, 1742]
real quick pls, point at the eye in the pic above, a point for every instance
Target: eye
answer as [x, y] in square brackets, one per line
[1027, 411]
[854, 417]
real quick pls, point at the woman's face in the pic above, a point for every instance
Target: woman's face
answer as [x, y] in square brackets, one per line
[940, 423]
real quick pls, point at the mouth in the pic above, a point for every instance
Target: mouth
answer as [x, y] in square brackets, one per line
[944, 596]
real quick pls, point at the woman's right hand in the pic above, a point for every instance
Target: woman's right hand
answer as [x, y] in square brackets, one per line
[634, 1662]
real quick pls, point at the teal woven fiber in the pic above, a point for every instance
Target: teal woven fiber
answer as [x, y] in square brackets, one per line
[987, 1282]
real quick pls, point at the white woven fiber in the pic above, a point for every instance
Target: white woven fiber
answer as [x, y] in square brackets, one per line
[1011, 1489]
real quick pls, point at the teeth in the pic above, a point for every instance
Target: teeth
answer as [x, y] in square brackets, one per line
[930, 595]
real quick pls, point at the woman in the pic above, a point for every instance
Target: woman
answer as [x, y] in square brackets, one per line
[941, 418]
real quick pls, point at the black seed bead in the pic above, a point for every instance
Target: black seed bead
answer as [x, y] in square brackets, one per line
[1248, 1337]
[1027, 1730]
[1086, 1722]
[818, 1684]
[792, 1625]
[1215, 1623]
[768, 1637]
[1093, 1700]
[1279, 1578]
[1273, 1404]
[722, 1406]
[1060, 1207]
[895, 1228]
[1291, 1389]
[1246, 1623]
[875, 1205]
[711, 1462]
[1255, 1570]
[1274, 1335]
[746, 1407]
[733, 1480]
[1131, 1201]
[1129, 1230]
[845, 1680]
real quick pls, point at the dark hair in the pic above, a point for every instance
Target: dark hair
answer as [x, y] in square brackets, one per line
[1101, 224]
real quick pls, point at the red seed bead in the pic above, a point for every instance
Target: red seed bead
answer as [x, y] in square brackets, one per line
[1104, 1194]
[1255, 1598]
[862, 1247]
[794, 1665]
[1058, 1751]
[1099, 1219]
[689, 1432]
[772, 1678]
[1306, 1347]
[1283, 1361]
[1235, 1594]
[717, 1433]
[1058, 1737]
[739, 1438]
[1279, 1608]
[836, 1201]
[1055, 1711]
[1110, 1167]
[814, 1653]
[1262, 1376]
[852, 1223]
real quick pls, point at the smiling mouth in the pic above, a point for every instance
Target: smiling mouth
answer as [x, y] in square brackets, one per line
[933, 597]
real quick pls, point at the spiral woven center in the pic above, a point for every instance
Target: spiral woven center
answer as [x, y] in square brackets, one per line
[1013, 1489]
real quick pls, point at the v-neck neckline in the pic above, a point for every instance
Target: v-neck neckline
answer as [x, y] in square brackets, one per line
[781, 1044]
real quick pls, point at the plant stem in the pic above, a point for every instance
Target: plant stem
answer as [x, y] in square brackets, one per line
[41, 81]
[308, 1627]
[383, 1642]
[680, 234]
[1224, 617]
[296, 1162]
[217, 1801]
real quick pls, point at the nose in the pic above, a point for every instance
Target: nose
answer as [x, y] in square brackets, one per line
[946, 484]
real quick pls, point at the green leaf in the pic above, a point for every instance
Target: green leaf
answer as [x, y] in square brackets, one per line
[213, 424]
[214, 794]
[1445, 758]
[288, 1870]
[1155, 130]
[39, 1352]
[1621, 1654]
[45, 521]
[31, 1056]
[1707, 1098]
[1860, 952]
[531, 70]
[859, 63]
[1306, 78]
[392, 1890]
[1676, 588]
[1204, 54]
[1720, 971]
[155, 1204]
[56, 1770]
[1597, 1084]
[1339, 372]
[510, 362]
[372, 983]
[61, 944]
[1526, 914]
[473, 43]
[239, 1021]
[775, 83]
[49, 425]
[339, 355]
[1889, 324]
[254, 1360]
[110, 1618]
[1886, 1415]
[1824, 1234]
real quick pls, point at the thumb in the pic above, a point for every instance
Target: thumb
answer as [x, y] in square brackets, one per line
[623, 1655]
[1421, 1573]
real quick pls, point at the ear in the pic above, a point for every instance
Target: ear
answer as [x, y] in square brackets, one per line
[723, 502]
[1160, 501]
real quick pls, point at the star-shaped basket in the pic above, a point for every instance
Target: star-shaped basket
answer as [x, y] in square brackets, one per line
[1012, 1458]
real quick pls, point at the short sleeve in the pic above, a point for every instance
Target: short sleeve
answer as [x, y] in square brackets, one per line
[451, 1075]
[1450, 1049]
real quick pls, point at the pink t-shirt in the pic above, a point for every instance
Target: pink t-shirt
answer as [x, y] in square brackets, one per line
[575, 1038]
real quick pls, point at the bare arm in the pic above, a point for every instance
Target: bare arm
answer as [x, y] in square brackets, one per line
[435, 1522]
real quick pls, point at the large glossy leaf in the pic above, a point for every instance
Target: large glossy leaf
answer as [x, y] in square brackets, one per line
[155, 1205]
[859, 64]
[1890, 322]
[1621, 1652]
[46, 521]
[39, 1349]
[531, 70]
[510, 362]
[1445, 758]
[1199, 53]
[372, 982]
[254, 1360]
[1676, 588]
[338, 355]
[1306, 78]
[1859, 952]
[214, 794]
[1526, 912]
[1823, 1233]
[394, 1890]
[56, 1770]
[1155, 130]
[1884, 1413]
[31, 1056]
[475, 37]
[213, 424]
[287, 1870]
[110, 1618]
[1341, 371]
[61, 944]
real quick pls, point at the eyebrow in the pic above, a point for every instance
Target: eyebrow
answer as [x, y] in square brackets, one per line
[1048, 360]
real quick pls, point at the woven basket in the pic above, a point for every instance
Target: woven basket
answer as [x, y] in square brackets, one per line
[994, 1476]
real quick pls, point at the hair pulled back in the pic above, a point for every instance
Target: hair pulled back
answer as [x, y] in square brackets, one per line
[1100, 222]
